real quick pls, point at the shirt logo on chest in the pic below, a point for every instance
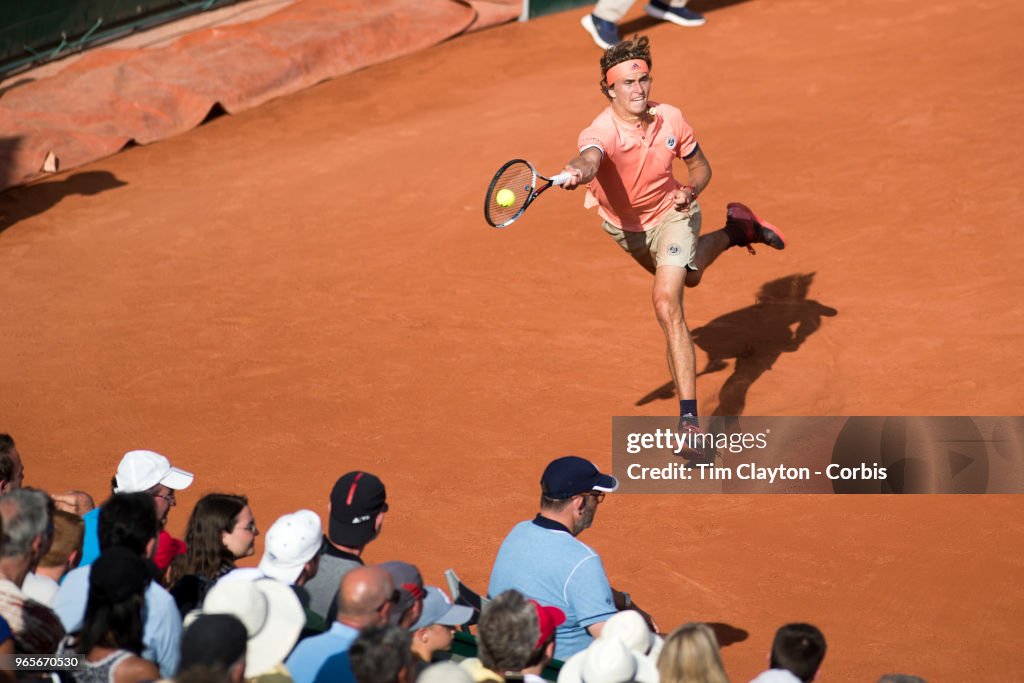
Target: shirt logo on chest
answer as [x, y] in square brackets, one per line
[671, 142]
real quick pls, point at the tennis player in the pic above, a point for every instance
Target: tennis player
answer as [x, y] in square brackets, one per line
[625, 158]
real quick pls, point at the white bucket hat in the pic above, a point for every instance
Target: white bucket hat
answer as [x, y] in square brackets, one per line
[271, 612]
[142, 470]
[608, 660]
[629, 627]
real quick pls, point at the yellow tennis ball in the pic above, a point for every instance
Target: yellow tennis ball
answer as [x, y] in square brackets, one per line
[506, 197]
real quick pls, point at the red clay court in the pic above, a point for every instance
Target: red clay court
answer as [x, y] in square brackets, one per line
[308, 287]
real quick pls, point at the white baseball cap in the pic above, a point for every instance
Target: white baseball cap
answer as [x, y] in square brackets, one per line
[292, 541]
[142, 470]
[438, 609]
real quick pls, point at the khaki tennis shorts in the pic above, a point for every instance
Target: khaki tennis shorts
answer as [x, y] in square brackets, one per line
[672, 242]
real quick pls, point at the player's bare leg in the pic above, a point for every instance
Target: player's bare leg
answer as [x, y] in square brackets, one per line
[667, 297]
[742, 228]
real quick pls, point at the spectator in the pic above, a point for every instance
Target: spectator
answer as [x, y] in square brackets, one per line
[796, 655]
[435, 629]
[601, 24]
[221, 530]
[515, 636]
[409, 583]
[12, 472]
[356, 515]
[128, 520]
[27, 516]
[77, 503]
[382, 654]
[444, 672]
[291, 555]
[143, 472]
[217, 642]
[6, 636]
[544, 560]
[629, 627]
[271, 614]
[901, 678]
[65, 551]
[111, 634]
[691, 654]
[608, 660]
[366, 598]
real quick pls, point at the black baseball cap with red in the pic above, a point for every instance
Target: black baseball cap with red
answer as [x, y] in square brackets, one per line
[570, 476]
[356, 500]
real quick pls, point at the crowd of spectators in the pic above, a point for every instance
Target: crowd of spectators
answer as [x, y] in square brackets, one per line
[111, 586]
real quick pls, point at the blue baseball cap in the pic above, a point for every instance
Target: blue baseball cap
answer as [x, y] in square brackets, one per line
[570, 476]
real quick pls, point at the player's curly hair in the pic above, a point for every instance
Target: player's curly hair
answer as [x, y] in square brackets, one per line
[638, 47]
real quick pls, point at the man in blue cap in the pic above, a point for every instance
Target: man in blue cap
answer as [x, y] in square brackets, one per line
[543, 559]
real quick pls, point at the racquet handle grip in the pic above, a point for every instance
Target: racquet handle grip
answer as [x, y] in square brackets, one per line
[560, 179]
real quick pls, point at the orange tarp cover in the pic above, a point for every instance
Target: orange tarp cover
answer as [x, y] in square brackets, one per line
[110, 97]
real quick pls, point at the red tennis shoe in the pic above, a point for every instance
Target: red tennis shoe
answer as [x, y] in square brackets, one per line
[745, 228]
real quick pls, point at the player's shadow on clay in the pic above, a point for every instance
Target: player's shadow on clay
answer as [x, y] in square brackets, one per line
[755, 336]
[20, 203]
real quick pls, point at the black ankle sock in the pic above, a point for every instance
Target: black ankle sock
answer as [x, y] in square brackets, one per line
[688, 410]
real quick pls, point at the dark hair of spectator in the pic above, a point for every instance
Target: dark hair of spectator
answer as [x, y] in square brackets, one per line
[113, 614]
[799, 649]
[380, 653]
[6, 463]
[213, 515]
[128, 520]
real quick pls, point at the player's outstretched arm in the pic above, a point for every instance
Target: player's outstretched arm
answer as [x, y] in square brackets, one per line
[583, 168]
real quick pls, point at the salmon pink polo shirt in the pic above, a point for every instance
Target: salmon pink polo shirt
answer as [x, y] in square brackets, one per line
[634, 184]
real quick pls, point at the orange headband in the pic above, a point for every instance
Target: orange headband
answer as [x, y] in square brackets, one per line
[622, 68]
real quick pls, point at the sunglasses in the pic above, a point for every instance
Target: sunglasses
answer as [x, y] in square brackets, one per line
[596, 495]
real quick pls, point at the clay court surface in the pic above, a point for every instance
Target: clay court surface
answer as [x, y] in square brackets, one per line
[309, 287]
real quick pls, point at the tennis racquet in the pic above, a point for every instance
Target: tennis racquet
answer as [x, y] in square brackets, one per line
[515, 185]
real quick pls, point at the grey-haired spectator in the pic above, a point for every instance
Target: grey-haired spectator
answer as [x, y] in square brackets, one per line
[382, 654]
[366, 597]
[515, 635]
[12, 471]
[63, 556]
[143, 472]
[128, 520]
[411, 592]
[797, 652]
[217, 642]
[271, 614]
[291, 554]
[355, 518]
[221, 530]
[27, 533]
[110, 637]
[435, 629]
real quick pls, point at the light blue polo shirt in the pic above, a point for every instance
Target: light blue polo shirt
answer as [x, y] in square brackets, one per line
[323, 658]
[543, 561]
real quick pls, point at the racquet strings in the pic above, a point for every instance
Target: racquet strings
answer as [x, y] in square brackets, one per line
[518, 178]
